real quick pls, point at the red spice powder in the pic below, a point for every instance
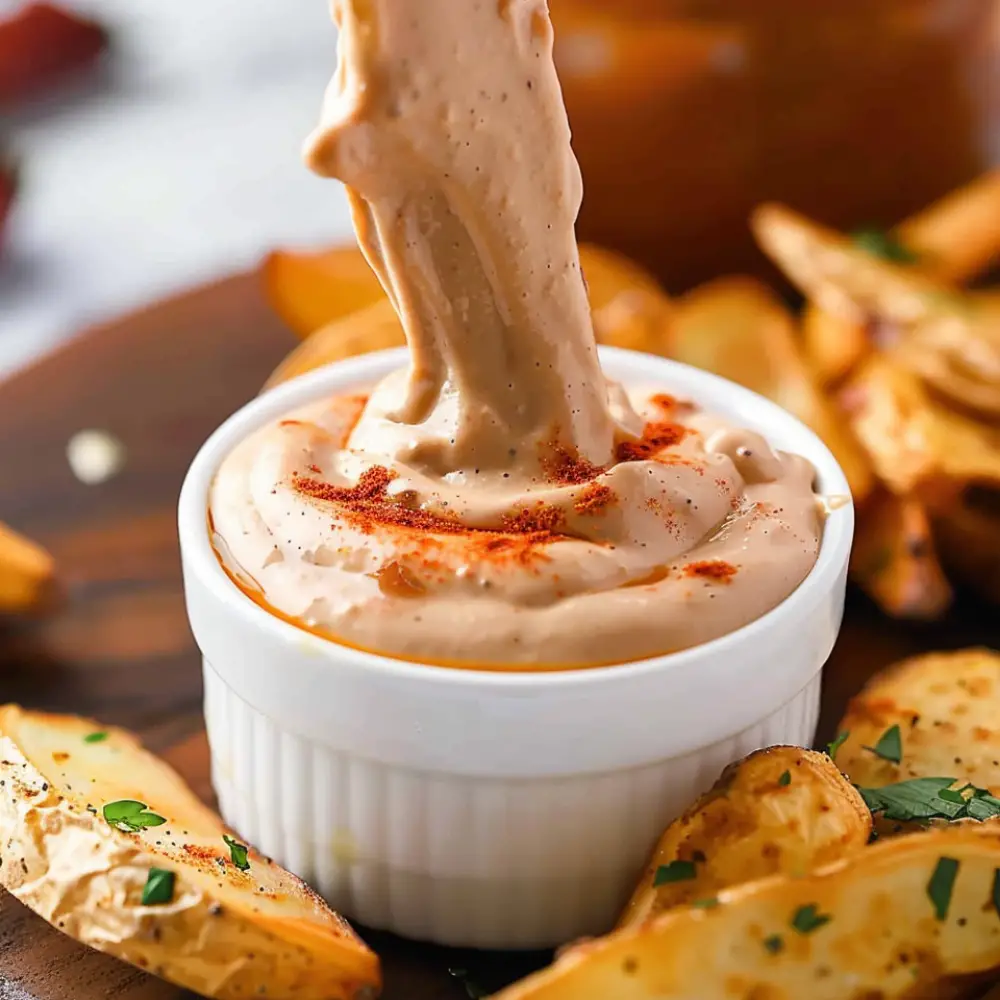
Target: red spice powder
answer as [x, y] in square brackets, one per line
[541, 517]
[563, 465]
[711, 569]
[671, 404]
[367, 506]
[595, 499]
[656, 436]
[316, 469]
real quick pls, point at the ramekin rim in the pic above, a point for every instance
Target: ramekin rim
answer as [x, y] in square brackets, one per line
[198, 554]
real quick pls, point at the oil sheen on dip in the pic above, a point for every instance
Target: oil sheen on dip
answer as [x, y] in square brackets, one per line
[498, 504]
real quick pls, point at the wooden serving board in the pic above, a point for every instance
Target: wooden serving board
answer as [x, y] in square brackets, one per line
[119, 648]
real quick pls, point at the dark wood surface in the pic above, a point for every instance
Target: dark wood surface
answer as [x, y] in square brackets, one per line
[119, 647]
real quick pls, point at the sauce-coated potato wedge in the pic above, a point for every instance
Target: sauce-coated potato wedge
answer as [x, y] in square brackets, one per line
[947, 707]
[898, 920]
[783, 810]
[738, 328]
[895, 559]
[916, 443]
[107, 843]
[26, 573]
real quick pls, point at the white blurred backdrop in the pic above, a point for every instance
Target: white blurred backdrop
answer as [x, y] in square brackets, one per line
[180, 164]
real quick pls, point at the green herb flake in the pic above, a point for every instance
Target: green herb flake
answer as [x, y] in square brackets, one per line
[95, 737]
[774, 944]
[785, 778]
[889, 746]
[941, 884]
[807, 919]
[237, 853]
[159, 887]
[923, 799]
[832, 748]
[130, 816]
[996, 890]
[676, 871]
[710, 903]
[883, 245]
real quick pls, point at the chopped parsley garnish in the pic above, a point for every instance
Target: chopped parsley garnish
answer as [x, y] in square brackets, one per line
[774, 943]
[785, 778]
[130, 816]
[237, 853]
[95, 737]
[807, 919]
[889, 746]
[159, 887]
[923, 799]
[884, 245]
[996, 890]
[832, 748]
[941, 884]
[709, 903]
[473, 990]
[676, 871]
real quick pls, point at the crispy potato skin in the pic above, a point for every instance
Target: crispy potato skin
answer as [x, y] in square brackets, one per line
[947, 706]
[883, 938]
[26, 573]
[751, 825]
[224, 932]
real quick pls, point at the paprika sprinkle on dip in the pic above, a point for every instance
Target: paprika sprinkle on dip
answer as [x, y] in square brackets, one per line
[495, 501]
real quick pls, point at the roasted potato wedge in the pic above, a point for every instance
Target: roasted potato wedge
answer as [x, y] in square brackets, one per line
[372, 329]
[952, 240]
[311, 290]
[736, 327]
[895, 558]
[783, 810]
[968, 538]
[107, 843]
[629, 307]
[918, 445]
[899, 920]
[958, 236]
[947, 707]
[26, 573]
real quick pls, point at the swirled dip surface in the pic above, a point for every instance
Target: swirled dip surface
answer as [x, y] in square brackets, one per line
[498, 503]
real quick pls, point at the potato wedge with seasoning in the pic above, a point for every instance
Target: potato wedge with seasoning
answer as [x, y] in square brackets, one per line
[902, 919]
[968, 538]
[947, 710]
[104, 841]
[895, 559]
[952, 240]
[738, 328]
[26, 573]
[918, 445]
[782, 810]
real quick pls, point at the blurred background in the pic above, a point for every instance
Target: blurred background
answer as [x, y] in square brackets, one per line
[156, 145]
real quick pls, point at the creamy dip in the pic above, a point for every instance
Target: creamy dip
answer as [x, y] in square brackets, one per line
[499, 503]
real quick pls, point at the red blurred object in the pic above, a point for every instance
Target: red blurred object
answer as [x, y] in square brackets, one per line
[39, 44]
[8, 187]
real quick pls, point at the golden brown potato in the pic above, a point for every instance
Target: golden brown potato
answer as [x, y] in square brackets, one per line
[947, 707]
[898, 920]
[968, 538]
[918, 445]
[26, 573]
[107, 843]
[783, 810]
[895, 559]
[373, 329]
[833, 345]
[736, 327]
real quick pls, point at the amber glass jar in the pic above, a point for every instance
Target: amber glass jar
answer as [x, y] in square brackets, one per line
[687, 113]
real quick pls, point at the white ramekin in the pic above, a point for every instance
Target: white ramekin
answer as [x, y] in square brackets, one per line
[489, 809]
